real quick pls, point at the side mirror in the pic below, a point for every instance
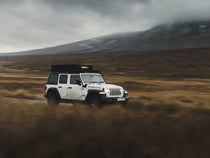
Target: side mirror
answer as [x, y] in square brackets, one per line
[78, 82]
[85, 85]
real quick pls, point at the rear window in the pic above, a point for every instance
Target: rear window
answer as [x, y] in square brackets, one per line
[63, 79]
[53, 79]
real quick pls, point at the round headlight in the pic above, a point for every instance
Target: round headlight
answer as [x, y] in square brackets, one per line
[107, 90]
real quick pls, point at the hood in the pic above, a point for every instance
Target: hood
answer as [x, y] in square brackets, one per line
[100, 86]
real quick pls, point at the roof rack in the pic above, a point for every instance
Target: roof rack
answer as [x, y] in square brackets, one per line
[73, 68]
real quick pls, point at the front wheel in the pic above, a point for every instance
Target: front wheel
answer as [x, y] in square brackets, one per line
[94, 102]
[52, 99]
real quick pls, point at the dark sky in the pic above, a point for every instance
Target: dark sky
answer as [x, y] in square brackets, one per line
[32, 24]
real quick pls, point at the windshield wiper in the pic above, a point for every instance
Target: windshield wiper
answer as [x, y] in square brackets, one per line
[97, 82]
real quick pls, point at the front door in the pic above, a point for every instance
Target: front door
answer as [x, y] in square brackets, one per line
[75, 90]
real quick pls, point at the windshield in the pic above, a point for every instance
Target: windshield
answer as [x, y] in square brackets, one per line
[92, 78]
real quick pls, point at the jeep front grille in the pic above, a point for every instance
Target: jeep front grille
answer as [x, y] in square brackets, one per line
[115, 92]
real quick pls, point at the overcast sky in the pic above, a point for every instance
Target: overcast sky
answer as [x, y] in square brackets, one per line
[32, 24]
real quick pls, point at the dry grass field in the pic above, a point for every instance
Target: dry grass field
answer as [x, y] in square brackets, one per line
[168, 115]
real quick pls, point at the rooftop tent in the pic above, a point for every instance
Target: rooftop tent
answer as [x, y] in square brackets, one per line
[72, 68]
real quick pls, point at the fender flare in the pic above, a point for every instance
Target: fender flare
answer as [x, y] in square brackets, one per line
[92, 92]
[55, 90]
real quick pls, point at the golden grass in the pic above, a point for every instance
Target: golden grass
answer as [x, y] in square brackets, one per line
[153, 125]
[19, 93]
[164, 118]
[155, 130]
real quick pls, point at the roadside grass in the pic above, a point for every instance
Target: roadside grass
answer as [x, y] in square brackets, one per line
[19, 94]
[143, 90]
[156, 130]
[163, 119]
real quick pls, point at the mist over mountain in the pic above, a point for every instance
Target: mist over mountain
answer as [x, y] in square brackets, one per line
[173, 36]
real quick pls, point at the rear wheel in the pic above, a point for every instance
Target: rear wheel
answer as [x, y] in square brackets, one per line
[94, 102]
[52, 99]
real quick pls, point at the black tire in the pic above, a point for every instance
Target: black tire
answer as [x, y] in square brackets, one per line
[94, 102]
[52, 99]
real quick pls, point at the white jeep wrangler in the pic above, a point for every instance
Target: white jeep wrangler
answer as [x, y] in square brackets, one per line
[73, 82]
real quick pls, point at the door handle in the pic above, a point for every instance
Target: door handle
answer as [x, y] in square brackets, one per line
[59, 86]
[69, 87]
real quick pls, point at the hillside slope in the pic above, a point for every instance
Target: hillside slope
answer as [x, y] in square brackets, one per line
[178, 63]
[174, 36]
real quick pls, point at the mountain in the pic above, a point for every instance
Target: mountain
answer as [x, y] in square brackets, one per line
[173, 36]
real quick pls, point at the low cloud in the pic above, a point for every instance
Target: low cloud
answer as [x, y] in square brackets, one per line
[31, 24]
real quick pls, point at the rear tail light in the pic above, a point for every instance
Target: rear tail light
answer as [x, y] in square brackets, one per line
[45, 87]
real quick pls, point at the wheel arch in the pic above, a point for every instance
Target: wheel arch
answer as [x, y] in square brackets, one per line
[53, 90]
[90, 93]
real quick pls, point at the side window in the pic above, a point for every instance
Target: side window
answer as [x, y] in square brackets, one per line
[53, 79]
[63, 79]
[74, 78]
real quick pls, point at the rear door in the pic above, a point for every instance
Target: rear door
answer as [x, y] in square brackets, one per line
[63, 85]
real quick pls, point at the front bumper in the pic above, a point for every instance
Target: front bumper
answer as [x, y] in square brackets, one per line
[104, 98]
